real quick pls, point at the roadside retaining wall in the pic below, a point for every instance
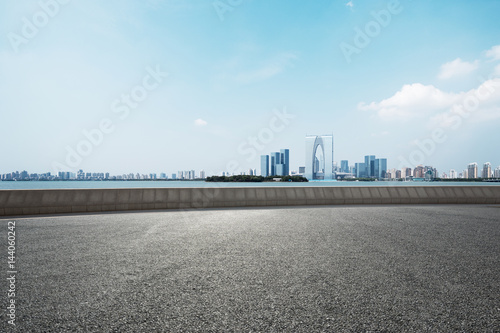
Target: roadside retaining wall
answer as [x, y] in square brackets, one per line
[29, 202]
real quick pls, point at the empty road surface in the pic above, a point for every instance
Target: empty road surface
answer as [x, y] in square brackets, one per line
[306, 269]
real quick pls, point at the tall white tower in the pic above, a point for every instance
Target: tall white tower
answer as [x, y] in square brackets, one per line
[319, 147]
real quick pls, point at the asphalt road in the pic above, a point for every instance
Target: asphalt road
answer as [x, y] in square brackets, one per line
[314, 269]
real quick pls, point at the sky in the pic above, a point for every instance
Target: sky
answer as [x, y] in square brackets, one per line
[148, 86]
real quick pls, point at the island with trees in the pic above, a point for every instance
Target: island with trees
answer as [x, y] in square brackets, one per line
[255, 179]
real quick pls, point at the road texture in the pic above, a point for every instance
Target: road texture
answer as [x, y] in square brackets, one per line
[306, 269]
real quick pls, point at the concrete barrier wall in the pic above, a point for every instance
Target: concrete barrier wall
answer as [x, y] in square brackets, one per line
[29, 202]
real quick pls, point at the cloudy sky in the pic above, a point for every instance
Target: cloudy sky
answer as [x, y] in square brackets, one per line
[165, 85]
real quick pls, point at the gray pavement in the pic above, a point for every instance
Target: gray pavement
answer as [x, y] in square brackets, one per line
[306, 269]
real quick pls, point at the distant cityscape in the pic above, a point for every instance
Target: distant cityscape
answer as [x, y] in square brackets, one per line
[319, 156]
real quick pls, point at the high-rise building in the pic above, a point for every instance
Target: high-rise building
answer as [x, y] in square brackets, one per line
[202, 174]
[370, 165]
[419, 172]
[280, 163]
[275, 159]
[453, 173]
[406, 172]
[497, 172]
[472, 170]
[344, 166]
[360, 170]
[264, 165]
[319, 157]
[486, 170]
[285, 161]
[379, 168]
[174, 176]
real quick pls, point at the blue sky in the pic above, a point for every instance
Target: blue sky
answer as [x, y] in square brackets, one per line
[213, 84]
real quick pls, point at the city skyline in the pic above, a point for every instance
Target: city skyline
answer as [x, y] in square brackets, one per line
[377, 170]
[124, 85]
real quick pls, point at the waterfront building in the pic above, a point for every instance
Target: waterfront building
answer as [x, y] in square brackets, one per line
[419, 172]
[319, 157]
[264, 165]
[486, 170]
[380, 168]
[453, 174]
[406, 172]
[497, 172]
[344, 166]
[370, 165]
[285, 161]
[275, 160]
[360, 171]
[472, 170]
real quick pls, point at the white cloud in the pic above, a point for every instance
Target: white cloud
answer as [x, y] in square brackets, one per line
[437, 107]
[494, 53]
[496, 71]
[200, 122]
[350, 4]
[457, 67]
[478, 105]
[412, 101]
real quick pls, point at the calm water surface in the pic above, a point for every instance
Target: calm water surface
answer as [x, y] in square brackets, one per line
[23, 185]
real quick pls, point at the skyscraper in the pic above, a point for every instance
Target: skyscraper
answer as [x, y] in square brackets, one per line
[280, 163]
[319, 157]
[380, 168]
[370, 165]
[264, 165]
[344, 166]
[486, 170]
[472, 170]
[285, 160]
[360, 170]
[275, 160]
[497, 172]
